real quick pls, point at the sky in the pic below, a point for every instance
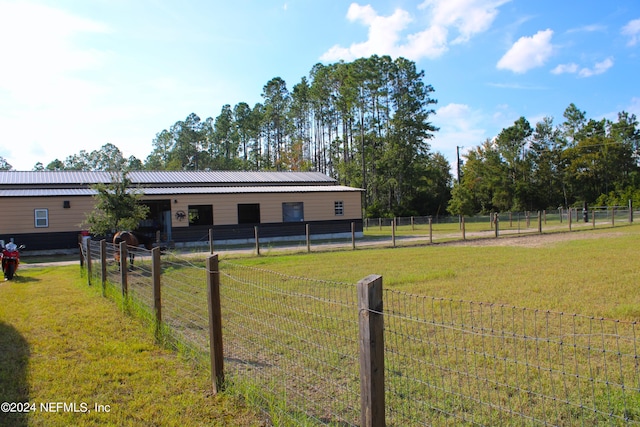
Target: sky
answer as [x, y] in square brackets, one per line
[78, 74]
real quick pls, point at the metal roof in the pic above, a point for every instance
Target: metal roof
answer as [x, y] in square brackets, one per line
[69, 192]
[167, 178]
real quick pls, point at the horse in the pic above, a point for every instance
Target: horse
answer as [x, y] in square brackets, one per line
[133, 240]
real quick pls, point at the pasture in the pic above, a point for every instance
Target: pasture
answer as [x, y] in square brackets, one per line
[588, 272]
[532, 330]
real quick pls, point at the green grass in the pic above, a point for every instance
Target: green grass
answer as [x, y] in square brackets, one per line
[594, 274]
[60, 341]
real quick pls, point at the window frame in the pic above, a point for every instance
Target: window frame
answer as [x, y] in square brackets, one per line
[338, 208]
[204, 212]
[37, 218]
[292, 211]
[248, 208]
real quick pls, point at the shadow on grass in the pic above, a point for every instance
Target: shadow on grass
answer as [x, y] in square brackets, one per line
[14, 363]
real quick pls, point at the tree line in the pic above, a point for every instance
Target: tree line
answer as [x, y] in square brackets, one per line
[367, 124]
[580, 161]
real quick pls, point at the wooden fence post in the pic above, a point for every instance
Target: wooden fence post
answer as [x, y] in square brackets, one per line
[210, 241]
[497, 223]
[430, 230]
[613, 216]
[103, 265]
[353, 236]
[464, 231]
[393, 231]
[569, 218]
[308, 237]
[157, 295]
[123, 268]
[215, 324]
[630, 211]
[88, 250]
[371, 323]
[257, 237]
[539, 222]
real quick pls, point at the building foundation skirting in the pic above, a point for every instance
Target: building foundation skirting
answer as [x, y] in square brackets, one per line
[65, 242]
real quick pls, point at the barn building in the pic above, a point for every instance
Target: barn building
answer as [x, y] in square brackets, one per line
[45, 210]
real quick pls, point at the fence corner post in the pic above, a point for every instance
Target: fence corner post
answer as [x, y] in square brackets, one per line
[215, 324]
[371, 338]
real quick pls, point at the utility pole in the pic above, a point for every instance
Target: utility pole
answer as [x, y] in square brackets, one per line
[458, 164]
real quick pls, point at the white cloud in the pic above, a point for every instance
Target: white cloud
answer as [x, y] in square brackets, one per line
[469, 17]
[528, 53]
[459, 126]
[39, 57]
[599, 68]
[632, 29]
[566, 68]
[572, 68]
[385, 35]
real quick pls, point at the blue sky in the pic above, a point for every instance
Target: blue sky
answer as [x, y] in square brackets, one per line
[77, 74]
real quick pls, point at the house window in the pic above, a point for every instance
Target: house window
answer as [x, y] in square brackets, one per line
[293, 212]
[338, 208]
[248, 213]
[200, 215]
[41, 218]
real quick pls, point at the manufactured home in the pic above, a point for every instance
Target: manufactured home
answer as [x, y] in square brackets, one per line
[46, 210]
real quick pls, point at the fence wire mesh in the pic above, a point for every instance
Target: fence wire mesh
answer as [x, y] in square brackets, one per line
[465, 363]
[295, 339]
[293, 343]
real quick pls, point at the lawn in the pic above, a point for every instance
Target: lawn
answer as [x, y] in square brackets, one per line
[78, 360]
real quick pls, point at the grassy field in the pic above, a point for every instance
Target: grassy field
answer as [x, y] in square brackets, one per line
[62, 343]
[482, 360]
[589, 272]
[71, 345]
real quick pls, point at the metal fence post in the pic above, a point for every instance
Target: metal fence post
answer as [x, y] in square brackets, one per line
[215, 324]
[371, 324]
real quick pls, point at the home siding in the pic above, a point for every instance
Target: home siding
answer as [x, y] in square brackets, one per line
[317, 206]
[18, 214]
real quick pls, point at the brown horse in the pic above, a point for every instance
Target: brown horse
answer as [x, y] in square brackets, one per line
[133, 240]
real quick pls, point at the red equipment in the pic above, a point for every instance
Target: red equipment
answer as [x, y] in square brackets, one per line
[10, 260]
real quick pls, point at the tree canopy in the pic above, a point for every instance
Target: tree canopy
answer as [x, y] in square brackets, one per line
[367, 123]
[534, 168]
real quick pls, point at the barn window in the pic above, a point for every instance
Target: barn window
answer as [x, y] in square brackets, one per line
[200, 215]
[41, 218]
[338, 208]
[248, 213]
[293, 212]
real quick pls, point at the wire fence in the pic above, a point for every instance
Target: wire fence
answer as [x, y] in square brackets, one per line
[418, 229]
[292, 346]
